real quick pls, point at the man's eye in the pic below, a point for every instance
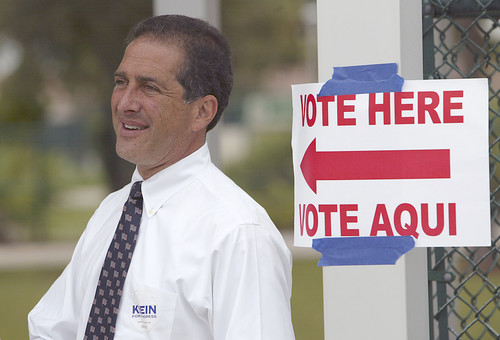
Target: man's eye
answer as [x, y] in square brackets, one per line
[119, 82]
[150, 88]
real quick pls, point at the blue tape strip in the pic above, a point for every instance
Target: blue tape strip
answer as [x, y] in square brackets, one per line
[363, 79]
[349, 251]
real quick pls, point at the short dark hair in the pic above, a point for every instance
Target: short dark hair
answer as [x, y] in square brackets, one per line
[207, 66]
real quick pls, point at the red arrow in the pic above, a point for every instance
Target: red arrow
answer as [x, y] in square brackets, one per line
[373, 165]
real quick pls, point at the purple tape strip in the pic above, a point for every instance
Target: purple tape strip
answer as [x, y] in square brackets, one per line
[349, 251]
[363, 79]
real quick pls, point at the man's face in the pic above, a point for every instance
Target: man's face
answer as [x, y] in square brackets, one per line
[153, 125]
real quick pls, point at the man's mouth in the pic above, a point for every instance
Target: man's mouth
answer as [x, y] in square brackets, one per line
[132, 127]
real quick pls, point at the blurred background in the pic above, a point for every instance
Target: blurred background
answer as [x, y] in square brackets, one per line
[57, 159]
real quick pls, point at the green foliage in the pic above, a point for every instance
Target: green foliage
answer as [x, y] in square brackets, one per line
[77, 41]
[267, 175]
[24, 193]
[30, 177]
[77, 46]
[263, 34]
[18, 94]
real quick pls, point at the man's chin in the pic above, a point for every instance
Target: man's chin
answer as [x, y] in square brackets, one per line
[127, 155]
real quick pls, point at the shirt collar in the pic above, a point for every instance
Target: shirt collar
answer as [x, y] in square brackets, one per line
[157, 189]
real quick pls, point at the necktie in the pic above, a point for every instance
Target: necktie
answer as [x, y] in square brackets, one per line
[104, 310]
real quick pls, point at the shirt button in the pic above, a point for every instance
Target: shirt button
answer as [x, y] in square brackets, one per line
[151, 212]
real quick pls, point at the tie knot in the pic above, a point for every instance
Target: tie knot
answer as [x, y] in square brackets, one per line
[135, 192]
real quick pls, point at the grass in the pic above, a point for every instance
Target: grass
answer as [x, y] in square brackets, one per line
[307, 300]
[21, 290]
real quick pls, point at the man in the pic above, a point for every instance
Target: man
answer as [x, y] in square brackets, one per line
[207, 261]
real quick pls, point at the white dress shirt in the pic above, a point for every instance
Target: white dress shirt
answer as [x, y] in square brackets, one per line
[208, 264]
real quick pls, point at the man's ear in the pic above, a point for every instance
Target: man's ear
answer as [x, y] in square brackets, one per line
[207, 108]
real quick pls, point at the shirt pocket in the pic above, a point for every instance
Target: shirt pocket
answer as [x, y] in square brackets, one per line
[153, 311]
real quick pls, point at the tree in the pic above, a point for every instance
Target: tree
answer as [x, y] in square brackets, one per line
[79, 42]
[263, 34]
[267, 175]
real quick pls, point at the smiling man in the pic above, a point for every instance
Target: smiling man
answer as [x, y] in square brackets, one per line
[181, 252]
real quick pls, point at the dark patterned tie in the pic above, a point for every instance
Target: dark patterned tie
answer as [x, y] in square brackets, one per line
[104, 311]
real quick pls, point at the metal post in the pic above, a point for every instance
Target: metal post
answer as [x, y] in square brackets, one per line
[374, 302]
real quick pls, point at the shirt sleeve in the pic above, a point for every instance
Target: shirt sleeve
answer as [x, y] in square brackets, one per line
[52, 317]
[55, 315]
[252, 286]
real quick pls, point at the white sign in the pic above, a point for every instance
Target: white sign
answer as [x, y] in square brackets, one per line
[413, 162]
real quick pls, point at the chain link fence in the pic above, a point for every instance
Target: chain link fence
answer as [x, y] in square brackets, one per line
[462, 40]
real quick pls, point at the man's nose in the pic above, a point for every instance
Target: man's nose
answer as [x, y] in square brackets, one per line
[128, 100]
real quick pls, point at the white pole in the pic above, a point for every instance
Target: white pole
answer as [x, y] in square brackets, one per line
[374, 302]
[208, 10]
